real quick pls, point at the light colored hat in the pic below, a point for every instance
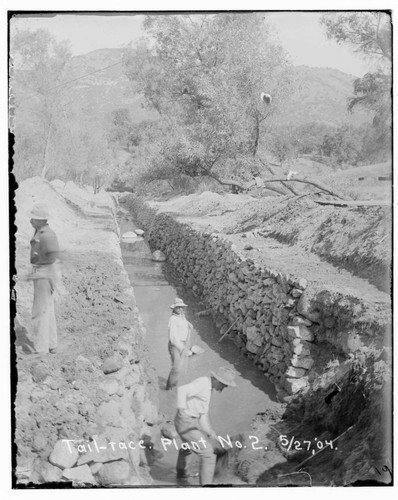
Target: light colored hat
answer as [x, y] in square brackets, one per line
[225, 375]
[196, 349]
[178, 303]
[40, 212]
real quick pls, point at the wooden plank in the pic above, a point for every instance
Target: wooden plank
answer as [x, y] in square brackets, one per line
[356, 203]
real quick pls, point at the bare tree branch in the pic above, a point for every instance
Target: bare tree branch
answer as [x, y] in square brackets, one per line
[304, 181]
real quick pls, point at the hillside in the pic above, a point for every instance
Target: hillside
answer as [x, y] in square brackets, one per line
[107, 89]
[321, 96]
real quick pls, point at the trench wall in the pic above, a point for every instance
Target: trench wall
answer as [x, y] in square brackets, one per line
[99, 391]
[288, 329]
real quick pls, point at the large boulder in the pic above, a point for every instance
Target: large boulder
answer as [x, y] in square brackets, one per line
[39, 372]
[64, 454]
[168, 430]
[113, 473]
[158, 256]
[109, 414]
[44, 472]
[81, 474]
[294, 385]
[129, 236]
[300, 332]
[111, 386]
[112, 364]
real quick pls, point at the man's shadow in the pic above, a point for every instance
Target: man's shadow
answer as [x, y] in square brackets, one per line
[22, 339]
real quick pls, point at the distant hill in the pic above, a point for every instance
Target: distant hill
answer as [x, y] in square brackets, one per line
[321, 96]
[108, 88]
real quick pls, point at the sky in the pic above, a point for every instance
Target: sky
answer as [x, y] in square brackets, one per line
[299, 33]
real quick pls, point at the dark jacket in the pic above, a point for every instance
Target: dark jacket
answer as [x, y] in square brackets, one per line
[44, 247]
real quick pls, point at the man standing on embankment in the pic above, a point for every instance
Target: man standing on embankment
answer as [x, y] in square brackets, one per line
[43, 255]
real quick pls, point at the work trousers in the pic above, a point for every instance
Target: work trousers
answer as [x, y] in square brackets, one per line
[189, 431]
[43, 316]
[177, 362]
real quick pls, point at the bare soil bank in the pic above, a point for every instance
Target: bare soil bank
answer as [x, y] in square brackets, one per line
[71, 395]
[357, 239]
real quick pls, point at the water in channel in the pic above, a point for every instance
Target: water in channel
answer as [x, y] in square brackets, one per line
[156, 285]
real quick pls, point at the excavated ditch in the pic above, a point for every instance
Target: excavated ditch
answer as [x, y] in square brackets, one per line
[320, 335]
[155, 287]
[291, 351]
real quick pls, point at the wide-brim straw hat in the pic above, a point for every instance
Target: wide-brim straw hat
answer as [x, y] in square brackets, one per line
[40, 212]
[178, 303]
[225, 375]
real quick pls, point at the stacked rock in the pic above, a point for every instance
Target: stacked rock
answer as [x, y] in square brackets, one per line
[261, 302]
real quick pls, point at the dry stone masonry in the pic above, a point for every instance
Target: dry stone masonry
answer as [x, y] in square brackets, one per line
[281, 326]
[262, 303]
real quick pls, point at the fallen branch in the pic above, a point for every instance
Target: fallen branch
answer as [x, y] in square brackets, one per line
[290, 188]
[233, 324]
[294, 198]
[276, 190]
[319, 186]
[229, 329]
[227, 182]
[299, 472]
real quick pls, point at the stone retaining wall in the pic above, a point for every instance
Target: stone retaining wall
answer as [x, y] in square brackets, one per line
[284, 327]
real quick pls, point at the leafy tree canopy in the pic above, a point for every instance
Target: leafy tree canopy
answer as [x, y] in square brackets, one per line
[205, 76]
[367, 32]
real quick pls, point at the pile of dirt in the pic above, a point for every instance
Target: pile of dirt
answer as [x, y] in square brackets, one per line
[355, 238]
[206, 203]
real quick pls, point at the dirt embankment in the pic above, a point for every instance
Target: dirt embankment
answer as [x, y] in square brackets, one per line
[357, 239]
[99, 386]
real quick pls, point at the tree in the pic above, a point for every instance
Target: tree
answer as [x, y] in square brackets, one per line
[38, 65]
[343, 146]
[370, 34]
[283, 144]
[205, 75]
[367, 32]
[309, 137]
[124, 132]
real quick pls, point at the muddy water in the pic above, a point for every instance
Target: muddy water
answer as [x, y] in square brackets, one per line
[155, 287]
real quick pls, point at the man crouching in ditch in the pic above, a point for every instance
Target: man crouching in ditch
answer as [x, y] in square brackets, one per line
[192, 421]
[43, 255]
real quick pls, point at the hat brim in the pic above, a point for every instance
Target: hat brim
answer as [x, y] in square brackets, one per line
[37, 217]
[223, 381]
[177, 305]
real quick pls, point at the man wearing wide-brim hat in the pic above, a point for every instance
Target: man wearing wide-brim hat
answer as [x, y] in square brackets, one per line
[44, 252]
[192, 421]
[179, 329]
